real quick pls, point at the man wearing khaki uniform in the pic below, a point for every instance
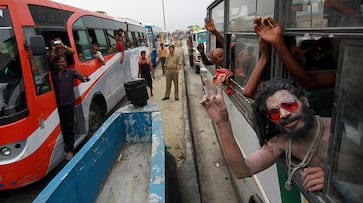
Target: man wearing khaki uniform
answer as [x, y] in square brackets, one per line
[173, 65]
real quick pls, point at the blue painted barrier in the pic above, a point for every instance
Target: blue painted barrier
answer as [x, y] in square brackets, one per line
[83, 177]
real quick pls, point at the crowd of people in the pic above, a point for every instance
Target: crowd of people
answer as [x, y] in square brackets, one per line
[283, 120]
[63, 78]
[64, 75]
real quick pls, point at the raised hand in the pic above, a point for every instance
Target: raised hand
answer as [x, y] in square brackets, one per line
[209, 24]
[268, 29]
[214, 103]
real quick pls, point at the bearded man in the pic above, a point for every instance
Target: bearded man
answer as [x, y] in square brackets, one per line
[285, 126]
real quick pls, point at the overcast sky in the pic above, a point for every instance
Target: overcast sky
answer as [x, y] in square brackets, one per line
[179, 14]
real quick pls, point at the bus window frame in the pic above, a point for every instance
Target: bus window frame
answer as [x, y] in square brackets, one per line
[337, 128]
[111, 41]
[321, 22]
[39, 65]
[101, 40]
[85, 45]
[129, 38]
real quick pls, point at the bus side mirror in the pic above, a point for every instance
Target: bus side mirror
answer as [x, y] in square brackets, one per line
[37, 44]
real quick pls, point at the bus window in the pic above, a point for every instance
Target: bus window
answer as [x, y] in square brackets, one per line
[143, 39]
[134, 39]
[83, 47]
[112, 41]
[140, 38]
[345, 183]
[318, 54]
[99, 38]
[38, 64]
[246, 56]
[129, 41]
[12, 90]
[242, 15]
[323, 14]
[137, 39]
[217, 14]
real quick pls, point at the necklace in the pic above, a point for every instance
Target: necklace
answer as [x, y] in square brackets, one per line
[292, 167]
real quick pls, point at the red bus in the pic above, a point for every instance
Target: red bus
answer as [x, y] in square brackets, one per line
[31, 142]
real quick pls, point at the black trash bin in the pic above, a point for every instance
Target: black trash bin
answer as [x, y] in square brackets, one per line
[136, 92]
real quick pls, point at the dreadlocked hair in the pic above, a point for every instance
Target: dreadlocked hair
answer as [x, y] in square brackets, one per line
[264, 127]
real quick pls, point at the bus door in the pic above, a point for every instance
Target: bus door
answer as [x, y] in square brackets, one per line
[44, 107]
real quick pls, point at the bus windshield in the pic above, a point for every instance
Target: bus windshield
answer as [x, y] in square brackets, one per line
[12, 91]
[202, 37]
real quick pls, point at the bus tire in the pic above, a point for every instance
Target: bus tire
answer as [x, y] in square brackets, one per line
[95, 118]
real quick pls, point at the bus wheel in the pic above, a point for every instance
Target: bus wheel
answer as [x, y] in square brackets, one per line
[95, 118]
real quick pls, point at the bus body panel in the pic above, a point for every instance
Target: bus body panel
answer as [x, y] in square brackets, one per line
[34, 162]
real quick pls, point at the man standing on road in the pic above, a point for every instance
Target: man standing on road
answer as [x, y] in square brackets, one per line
[173, 66]
[63, 79]
[162, 56]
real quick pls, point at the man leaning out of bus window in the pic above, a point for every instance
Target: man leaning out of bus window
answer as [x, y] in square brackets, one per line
[97, 54]
[215, 56]
[285, 126]
[63, 86]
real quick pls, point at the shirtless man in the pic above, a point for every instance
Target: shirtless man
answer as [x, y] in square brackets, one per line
[285, 127]
[215, 56]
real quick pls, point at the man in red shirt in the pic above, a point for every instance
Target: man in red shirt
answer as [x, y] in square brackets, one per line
[119, 47]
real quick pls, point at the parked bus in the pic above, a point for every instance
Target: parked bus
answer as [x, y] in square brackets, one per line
[154, 37]
[199, 36]
[322, 36]
[31, 142]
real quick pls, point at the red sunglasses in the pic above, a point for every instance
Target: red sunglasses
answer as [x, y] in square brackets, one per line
[289, 105]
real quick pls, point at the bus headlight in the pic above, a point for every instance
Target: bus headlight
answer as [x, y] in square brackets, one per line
[5, 151]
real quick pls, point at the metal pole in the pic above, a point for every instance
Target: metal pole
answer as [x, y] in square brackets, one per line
[162, 1]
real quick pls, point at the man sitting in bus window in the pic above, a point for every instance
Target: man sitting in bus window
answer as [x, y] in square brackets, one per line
[271, 32]
[97, 54]
[285, 127]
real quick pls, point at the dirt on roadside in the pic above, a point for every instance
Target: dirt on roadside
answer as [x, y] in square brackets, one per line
[172, 113]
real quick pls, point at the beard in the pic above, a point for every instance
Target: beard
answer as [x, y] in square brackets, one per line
[306, 116]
